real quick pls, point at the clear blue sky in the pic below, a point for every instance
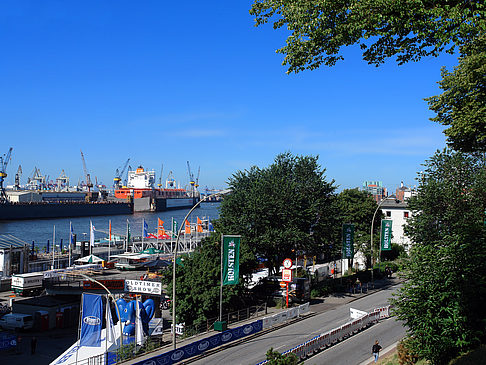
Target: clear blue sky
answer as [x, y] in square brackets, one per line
[166, 82]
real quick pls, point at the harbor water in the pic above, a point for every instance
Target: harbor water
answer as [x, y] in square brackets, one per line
[42, 230]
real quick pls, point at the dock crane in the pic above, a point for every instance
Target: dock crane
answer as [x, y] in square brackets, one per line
[62, 181]
[17, 178]
[89, 184]
[191, 178]
[196, 184]
[160, 177]
[118, 175]
[3, 174]
[125, 181]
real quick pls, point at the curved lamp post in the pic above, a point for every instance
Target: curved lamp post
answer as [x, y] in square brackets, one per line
[222, 192]
[372, 224]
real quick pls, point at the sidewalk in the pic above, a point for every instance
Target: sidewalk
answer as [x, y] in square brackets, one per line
[317, 306]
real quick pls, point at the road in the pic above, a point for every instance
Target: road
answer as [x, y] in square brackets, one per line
[352, 351]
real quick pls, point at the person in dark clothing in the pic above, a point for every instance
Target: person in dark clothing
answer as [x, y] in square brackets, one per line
[375, 350]
[33, 345]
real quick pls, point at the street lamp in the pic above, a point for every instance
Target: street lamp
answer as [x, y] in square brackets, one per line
[222, 192]
[372, 224]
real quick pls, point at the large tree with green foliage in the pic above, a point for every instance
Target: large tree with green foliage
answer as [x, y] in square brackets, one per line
[462, 104]
[357, 207]
[406, 29]
[442, 303]
[283, 207]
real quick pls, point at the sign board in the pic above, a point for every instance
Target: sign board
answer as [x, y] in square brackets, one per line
[143, 286]
[386, 234]
[287, 275]
[287, 263]
[117, 284]
[348, 241]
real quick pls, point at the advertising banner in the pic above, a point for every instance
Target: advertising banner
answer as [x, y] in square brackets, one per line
[143, 286]
[231, 259]
[386, 234]
[348, 240]
[199, 347]
[91, 320]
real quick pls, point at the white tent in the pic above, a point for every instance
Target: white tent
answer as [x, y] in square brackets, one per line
[91, 259]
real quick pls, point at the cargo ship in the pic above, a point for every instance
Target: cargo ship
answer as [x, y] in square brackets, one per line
[146, 197]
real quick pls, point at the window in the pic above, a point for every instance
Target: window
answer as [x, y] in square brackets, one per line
[388, 213]
[405, 214]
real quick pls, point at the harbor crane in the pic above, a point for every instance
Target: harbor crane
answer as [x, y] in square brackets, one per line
[62, 181]
[125, 181]
[118, 175]
[170, 181]
[89, 184]
[160, 177]
[191, 176]
[196, 185]
[3, 174]
[17, 178]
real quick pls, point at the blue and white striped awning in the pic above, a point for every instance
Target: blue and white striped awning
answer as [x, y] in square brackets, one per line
[7, 241]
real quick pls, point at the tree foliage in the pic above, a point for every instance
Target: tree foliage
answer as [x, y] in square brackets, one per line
[462, 104]
[357, 207]
[286, 206]
[442, 303]
[276, 358]
[406, 29]
[198, 283]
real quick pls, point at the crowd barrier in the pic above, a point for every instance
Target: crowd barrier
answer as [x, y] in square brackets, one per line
[283, 316]
[331, 337]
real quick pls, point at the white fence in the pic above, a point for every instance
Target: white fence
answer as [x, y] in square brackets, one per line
[285, 315]
[329, 338]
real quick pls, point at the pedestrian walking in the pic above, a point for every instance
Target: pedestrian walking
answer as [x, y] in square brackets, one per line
[33, 345]
[375, 350]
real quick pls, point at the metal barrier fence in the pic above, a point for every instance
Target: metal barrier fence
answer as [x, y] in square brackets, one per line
[285, 315]
[331, 337]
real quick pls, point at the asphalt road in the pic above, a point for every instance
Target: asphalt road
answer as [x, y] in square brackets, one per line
[352, 351]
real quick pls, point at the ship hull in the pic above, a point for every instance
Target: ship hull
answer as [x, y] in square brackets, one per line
[62, 210]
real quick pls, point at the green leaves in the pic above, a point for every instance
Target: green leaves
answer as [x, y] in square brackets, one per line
[286, 206]
[442, 302]
[406, 29]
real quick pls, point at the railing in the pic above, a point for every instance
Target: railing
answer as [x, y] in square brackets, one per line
[231, 317]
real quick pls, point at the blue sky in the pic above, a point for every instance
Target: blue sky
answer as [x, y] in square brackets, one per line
[165, 82]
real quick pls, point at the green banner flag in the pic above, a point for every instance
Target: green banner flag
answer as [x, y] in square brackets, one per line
[386, 234]
[174, 229]
[348, 240]
[231, 259]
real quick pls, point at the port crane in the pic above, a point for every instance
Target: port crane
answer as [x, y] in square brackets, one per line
[89, 184]
[118, 175]
[62, 181]
[160, 177]
[125, 181]
[3, 174]
[191, 179]
[196, 185]
[17, 178]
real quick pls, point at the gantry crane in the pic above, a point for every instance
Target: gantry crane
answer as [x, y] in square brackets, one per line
[62, 181]
[160, 177]
[3, 174]
[196, 185]
[89, 184]
[17, 178]
[118, 175]
[125, 181]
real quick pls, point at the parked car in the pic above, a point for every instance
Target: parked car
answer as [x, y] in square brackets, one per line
[13, 321]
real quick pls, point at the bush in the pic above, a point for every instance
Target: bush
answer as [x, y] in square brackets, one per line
[406, 354]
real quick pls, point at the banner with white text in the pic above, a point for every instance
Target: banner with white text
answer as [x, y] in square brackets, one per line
[348, 241]
[386, 234]
[231, 259]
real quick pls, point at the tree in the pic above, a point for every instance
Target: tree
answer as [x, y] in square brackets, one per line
[357, 207]
[286, 206]
[198, 283]
[276, 358]
[462, 104]
[442, 303]
[407, 29]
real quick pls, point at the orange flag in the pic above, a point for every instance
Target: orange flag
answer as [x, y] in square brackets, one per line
[199, 225]
[188, 227]
[110, 231]
[160, 228]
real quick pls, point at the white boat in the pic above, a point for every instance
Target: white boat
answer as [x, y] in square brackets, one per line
[132, 261]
